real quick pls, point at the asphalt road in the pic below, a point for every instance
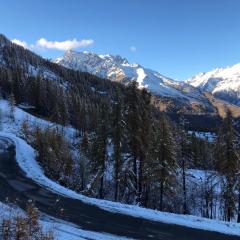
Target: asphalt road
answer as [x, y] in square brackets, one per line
[17, 188]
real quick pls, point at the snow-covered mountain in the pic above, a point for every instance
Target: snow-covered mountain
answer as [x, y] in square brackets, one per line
[119, 69]
[223, 83]
[171, 96]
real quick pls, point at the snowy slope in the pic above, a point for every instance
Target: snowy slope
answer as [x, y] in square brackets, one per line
[119, 69]
[221, 82]
[25, 156]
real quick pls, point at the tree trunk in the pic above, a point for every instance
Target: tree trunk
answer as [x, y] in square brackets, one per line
[145, 204]
[211, 205]
[101, 187]
[116, 178]
[161, 197]
[101, 190]
[135, 178]
[238, 217]
[82, 181]
[184, 188]
[228, 214]
[140, 183]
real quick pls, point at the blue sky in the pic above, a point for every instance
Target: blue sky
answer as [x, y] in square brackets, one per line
[178, 38]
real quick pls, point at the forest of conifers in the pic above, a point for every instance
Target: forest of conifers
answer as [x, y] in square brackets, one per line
[124, 148]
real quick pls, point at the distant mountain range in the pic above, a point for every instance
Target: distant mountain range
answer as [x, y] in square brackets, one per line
[119, 69]
[223, 83]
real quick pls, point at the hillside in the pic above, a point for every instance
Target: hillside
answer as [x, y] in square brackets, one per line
[111, 141]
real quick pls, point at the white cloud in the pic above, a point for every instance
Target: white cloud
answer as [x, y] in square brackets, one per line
[133, 49]
[20, 43]
[64, 45]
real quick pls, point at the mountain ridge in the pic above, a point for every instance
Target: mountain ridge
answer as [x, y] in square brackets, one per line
[117, 68]
[223, 83]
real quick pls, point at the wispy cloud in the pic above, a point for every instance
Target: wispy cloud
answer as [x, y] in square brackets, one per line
[58, 45]
[133, 49]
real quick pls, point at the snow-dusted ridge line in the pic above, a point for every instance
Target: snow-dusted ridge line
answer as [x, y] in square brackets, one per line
[25, 156]
[117, 68]
[220, 81]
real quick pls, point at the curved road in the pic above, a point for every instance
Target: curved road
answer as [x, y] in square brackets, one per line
[15, 186]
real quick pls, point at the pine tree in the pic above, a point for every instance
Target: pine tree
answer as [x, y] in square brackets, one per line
[139, 125]
[62, 108]
[99, 149]
[117, 138]
[12, 104]
[185, 158]
[1, 117]
[54, 153]
[17, 86]
[165, 159]
[195, 147]
[145, 155]
[84, 154]
[25, 128]
[132, 118]
[228, 164]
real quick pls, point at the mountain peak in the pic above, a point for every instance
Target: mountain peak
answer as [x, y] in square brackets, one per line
[221, 82]
[117, 68]
[4, 40]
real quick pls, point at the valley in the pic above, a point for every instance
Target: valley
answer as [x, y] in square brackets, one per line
[103, 140]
